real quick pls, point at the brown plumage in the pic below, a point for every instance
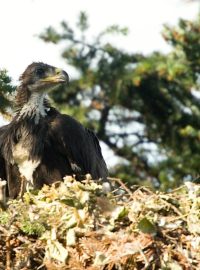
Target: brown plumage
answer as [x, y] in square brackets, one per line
[41, 145]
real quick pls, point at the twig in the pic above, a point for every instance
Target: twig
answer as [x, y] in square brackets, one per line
[172, 207]
[8, 257]
[121, 184]
[23, 239]
[177, 218]
[42, 265]
[3, 230]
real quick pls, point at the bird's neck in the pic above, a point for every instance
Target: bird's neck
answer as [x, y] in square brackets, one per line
[34, 108]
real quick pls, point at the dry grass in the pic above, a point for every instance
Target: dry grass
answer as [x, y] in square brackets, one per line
[73, 225]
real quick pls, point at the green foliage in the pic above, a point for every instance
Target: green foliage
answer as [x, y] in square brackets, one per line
[147, 226]
[82, 23]
[4, 218]
[143, 107]
[32, 227]
[6, 88]
[186, 37]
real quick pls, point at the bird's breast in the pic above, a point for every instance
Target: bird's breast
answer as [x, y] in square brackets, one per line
[26, 165]
[20, 153]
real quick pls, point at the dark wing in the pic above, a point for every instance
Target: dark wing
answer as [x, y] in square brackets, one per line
[2, 161]
[79, 145]
[2, 168]
[8, 172]
[2, 175]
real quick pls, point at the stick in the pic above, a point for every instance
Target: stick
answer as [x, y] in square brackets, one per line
[8, 259]
[121, 184]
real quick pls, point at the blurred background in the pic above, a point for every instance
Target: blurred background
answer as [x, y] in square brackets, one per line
[134, 77]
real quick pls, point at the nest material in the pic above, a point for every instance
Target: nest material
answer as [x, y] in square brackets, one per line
[73, 225]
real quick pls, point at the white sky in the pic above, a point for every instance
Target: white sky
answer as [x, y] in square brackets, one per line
[22, 20]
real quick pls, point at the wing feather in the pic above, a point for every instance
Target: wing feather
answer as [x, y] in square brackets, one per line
[2, 161]
[80, 146]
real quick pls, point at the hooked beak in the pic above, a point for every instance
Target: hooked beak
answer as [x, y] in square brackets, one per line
[60, 76]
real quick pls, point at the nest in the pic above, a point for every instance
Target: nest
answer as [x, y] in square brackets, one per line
[73, 225]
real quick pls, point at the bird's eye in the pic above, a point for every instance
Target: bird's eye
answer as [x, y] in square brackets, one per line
[40, 71]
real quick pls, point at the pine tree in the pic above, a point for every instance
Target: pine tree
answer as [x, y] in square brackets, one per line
[145, 108]
[6, 88]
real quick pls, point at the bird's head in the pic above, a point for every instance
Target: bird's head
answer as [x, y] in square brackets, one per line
[40, 77]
